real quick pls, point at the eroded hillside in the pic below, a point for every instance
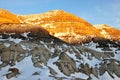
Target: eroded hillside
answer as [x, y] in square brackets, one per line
[8, 17]
[109, 32]
[58, 23]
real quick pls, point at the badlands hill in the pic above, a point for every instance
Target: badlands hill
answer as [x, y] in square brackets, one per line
[63, 25]
[35, 47]
[109, 32]
[58, 23]
[8, 17]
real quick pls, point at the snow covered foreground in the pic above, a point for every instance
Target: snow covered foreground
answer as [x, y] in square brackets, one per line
[83, 58]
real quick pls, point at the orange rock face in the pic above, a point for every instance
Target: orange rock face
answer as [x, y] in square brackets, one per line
[58, 23]
[63, 25]
[7, 17]
[109, 32]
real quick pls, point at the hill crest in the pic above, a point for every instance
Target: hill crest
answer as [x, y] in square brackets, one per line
[8, 17]
[61, 24]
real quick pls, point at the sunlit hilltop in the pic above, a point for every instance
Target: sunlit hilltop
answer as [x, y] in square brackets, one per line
[58, 23]
[8, 17]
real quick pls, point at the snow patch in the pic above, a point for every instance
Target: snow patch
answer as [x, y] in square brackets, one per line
[15, 40]
[92, 63]
[7, 44]
[79, 75]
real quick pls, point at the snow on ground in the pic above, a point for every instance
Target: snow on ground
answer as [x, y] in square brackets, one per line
[25, 34]
[92, 45]
[106, 76]
[27, 70]
[12, 39]
[15, 40]
[50, 64]
[92, 63]
[7, 44]
[79, 75]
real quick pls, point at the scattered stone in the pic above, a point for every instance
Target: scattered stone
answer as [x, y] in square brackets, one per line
[36, 73]
[56, 53]
[114, 67]
[5, 36]
[66, 64]
[14, 72]
[52, 71]
[78, 79]
[5, 57]
[87, 69]
[95, 72]
[40, 55]
[103, 68]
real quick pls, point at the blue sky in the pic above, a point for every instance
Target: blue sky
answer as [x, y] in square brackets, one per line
[94, 11]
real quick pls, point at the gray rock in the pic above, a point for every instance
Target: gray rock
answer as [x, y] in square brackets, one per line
[40, 55]
[36, 73]
[87, 69]
[52, 71]
[66, 64]
[5, 57]
[114, 67]
[95, 72]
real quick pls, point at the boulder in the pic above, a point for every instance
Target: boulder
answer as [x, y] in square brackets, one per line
[66, 64]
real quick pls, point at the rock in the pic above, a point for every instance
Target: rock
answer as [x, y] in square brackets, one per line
[5, 36]
[14, 72]
[66, 64]
[63, 67]
[36, 73]
[18, 36]
[87, 70]
[111, 67]
[5, 57]
[40, 55]
[66, 58]
[70, 56]
[95, 72]
[114, 67]
[78, 79]
[17, 53]
[52, 71]
[2, 46]
[106, 49]
[77, 52]
[9, 55]
[56, 53]
[103, 68]
[99, 55]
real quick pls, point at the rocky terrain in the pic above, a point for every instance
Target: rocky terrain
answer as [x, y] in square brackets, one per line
[48, 46]
[59, 60]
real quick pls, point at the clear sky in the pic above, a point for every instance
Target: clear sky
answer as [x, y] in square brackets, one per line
[94, 11]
